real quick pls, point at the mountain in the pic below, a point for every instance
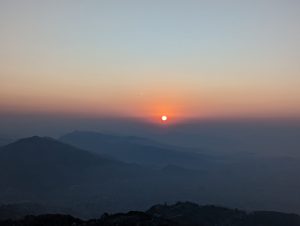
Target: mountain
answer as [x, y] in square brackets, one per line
[54, 174]
[4, 141]
[179, 214]
[46, 171]
[43, 169]
[133, 149]
[191, 214]
[187, 213]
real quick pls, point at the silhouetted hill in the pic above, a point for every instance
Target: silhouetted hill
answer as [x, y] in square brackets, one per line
[187, 213]
[134, 149]
[38, 164]
[51, 151]
[179, 214]
[44, 170]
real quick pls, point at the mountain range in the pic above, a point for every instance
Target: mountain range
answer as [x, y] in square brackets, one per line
[179, 214]
[134, 149]
[86, 173]
[47, 171]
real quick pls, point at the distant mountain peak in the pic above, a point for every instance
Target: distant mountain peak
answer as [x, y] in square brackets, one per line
[36, 140]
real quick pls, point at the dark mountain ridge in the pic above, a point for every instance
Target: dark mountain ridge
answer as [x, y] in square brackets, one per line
[39, 169]
[179, 214]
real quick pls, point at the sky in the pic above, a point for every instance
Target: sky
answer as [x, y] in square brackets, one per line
[185, 59]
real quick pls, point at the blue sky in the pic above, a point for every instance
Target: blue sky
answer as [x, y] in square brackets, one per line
[147, 58]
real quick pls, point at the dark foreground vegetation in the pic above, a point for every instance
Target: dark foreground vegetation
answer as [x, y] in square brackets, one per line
[179, 214]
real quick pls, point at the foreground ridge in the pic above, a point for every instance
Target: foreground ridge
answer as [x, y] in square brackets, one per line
[179, 214]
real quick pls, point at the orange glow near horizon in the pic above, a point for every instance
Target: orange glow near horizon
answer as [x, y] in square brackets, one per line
[124, 69]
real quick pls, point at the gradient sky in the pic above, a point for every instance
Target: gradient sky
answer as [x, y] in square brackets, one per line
[186, 59]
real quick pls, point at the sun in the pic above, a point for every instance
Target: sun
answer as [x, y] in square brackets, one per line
[164, 118]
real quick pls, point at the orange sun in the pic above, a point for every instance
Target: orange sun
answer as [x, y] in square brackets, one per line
[164, 118]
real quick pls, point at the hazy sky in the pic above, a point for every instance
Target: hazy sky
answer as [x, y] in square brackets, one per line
[187, 58]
